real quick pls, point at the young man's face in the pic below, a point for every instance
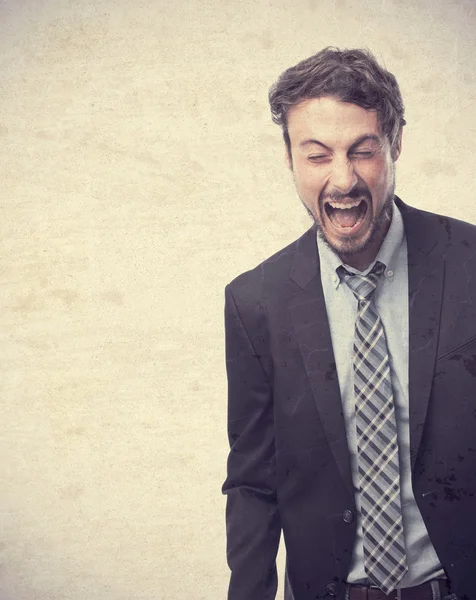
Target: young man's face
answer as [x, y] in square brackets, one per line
[344, 174]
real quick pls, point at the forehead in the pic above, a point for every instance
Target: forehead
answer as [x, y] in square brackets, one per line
[330, 121]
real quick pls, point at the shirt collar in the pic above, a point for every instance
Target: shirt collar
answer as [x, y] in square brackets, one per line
[388, 253]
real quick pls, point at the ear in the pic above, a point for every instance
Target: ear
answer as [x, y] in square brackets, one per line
[397, 148]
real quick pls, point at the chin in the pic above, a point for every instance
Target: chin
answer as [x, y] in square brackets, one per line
[350, 247]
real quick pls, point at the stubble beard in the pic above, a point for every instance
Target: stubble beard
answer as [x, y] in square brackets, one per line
[378, 227]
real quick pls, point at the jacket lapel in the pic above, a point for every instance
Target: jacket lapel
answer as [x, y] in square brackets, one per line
[309, 317]
[425, 289]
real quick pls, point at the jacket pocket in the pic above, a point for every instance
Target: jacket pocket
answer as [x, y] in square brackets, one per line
[463, 348]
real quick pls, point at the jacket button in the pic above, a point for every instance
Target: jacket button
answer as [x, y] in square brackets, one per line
[331, 589]
[348, 516]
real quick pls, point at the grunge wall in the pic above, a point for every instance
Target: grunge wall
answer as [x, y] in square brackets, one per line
[140, 172]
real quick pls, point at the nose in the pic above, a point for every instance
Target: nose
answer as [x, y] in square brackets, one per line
[343, 176]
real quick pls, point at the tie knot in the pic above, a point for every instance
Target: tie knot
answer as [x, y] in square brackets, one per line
[363, 286]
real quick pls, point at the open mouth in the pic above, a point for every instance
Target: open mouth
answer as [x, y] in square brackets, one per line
[346, 215]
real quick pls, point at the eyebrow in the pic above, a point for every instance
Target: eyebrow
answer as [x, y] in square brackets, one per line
[364, 138]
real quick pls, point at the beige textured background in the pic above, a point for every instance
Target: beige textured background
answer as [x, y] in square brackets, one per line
[140, 172]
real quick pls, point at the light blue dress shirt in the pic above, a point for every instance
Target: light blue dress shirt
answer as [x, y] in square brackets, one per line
[391, 301]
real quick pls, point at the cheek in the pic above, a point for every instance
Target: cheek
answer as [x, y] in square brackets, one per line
[310, 181]
[378, 177]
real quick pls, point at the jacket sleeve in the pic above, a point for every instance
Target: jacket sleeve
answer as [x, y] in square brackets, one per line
[252, 517]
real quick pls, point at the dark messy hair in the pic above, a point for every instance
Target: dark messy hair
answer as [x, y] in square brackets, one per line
[348, 75]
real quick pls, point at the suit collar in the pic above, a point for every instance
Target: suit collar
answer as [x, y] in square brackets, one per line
[426, 237]
[305, 265]
[311, 327]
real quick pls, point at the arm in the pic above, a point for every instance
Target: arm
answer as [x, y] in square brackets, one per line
[252, 518]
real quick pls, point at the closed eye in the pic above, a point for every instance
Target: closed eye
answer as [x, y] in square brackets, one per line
[317, 157]
[363, 154]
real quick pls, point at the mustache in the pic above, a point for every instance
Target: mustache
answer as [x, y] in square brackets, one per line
[352, 195]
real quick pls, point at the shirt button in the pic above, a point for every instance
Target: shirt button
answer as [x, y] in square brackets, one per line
[348, 516]
[390, 273]
[331, 589]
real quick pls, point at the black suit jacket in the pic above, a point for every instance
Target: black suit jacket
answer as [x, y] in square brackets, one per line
[289, 465]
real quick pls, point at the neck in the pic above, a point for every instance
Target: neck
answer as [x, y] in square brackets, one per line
[362, 260]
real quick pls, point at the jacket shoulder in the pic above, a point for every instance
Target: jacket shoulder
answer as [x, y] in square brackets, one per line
[453, 237]
[272, 273]
[458, 236]
[460, 233]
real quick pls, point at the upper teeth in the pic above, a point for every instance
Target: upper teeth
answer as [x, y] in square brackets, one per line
[343, 206]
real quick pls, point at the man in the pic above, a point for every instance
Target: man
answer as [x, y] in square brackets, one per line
[351, 362]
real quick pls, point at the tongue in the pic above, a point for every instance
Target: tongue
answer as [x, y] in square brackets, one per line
[346, 217]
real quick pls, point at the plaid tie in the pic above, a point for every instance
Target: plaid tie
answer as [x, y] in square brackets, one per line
[384, 547]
